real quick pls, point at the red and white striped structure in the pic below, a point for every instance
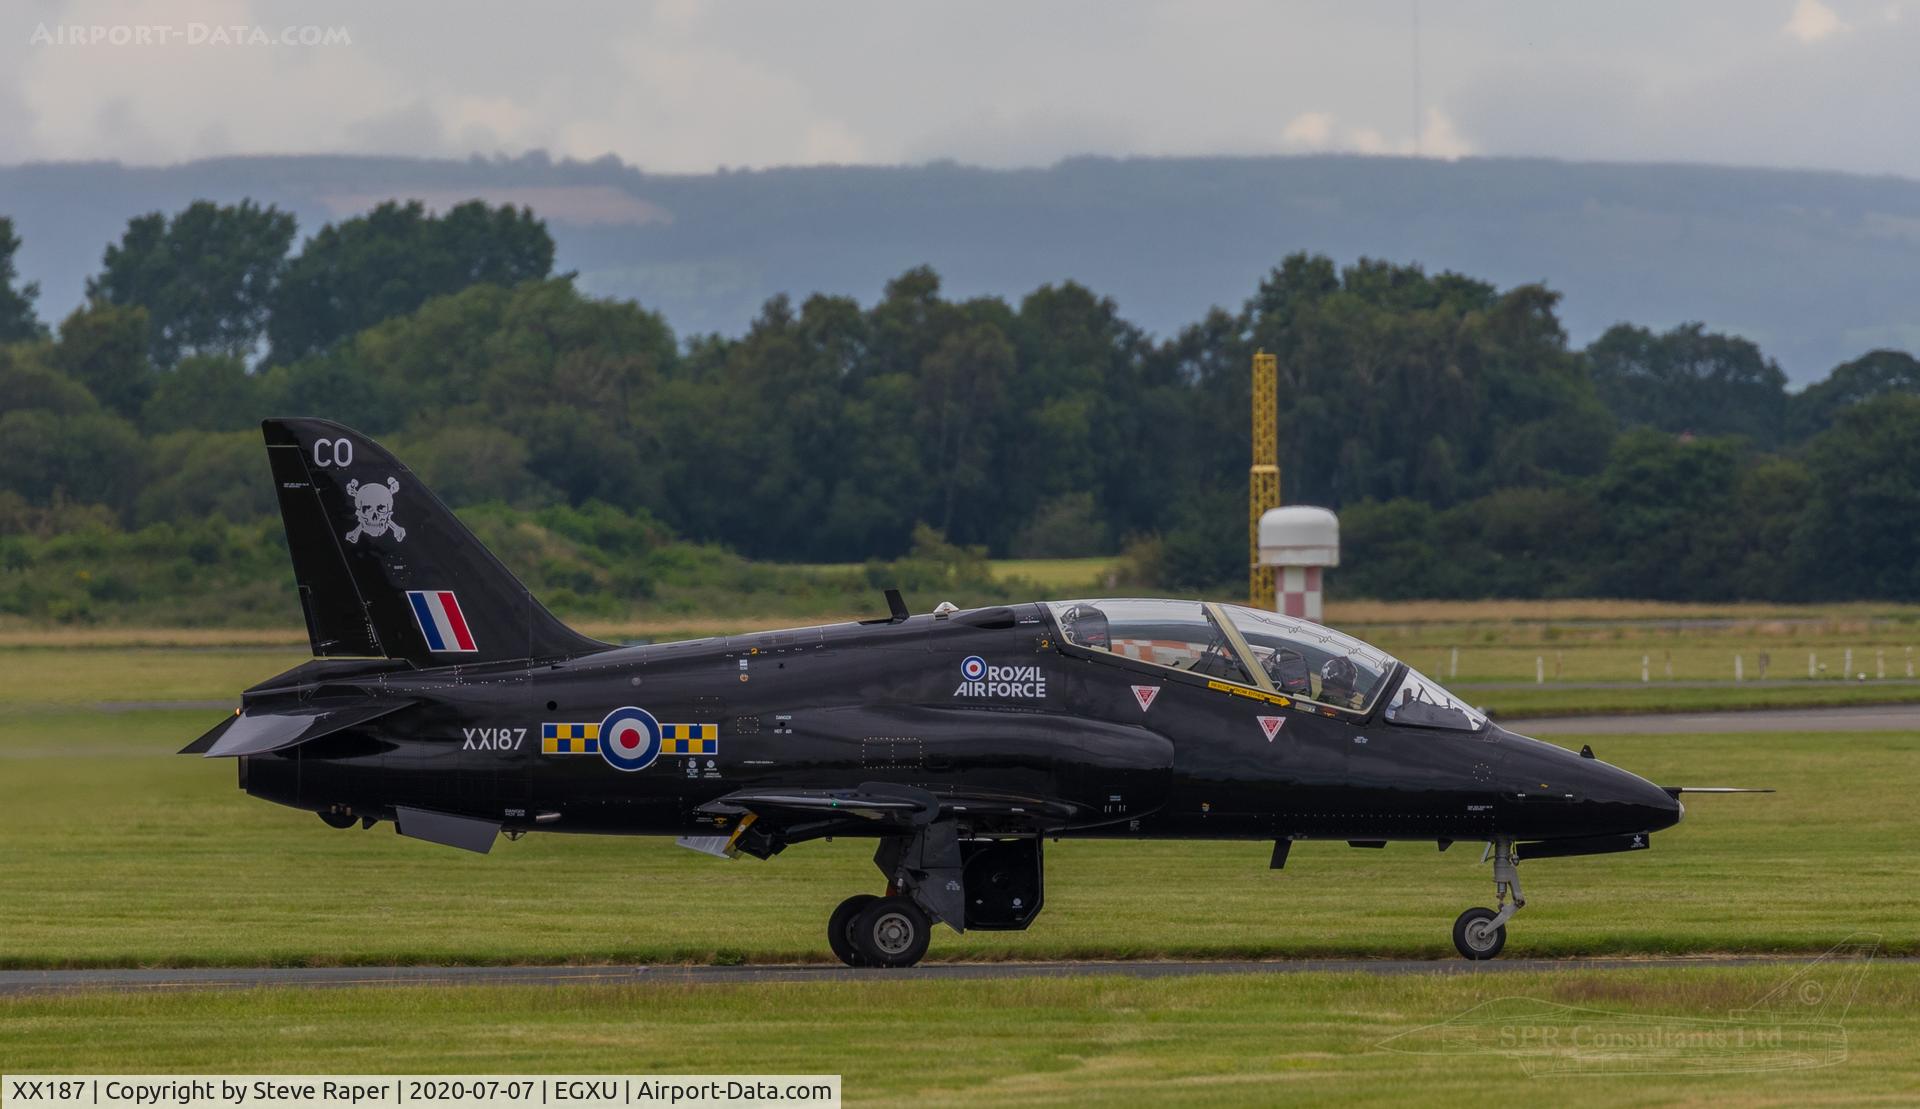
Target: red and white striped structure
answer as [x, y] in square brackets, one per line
[1299, 542]
[1297, 591]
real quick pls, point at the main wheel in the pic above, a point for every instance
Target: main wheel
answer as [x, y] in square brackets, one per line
[891, 932]
[840, 928]
[1474, 939]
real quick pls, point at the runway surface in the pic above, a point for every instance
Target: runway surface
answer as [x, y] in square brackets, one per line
[26, 982]
[1848, 718]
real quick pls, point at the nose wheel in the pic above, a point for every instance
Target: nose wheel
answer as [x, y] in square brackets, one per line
[1476, 937]
[1482, 933]
[868, 931]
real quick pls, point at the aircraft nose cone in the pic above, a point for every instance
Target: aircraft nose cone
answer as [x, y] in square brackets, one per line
[1551, 791]
[1637, 805]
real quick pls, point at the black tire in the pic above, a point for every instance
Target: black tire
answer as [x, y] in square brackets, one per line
[840, 928]
[1470, 938]
[891, 932]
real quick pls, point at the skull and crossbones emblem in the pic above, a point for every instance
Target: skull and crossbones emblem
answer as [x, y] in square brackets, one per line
[373, 507]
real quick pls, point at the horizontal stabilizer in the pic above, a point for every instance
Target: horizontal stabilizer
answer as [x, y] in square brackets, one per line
[1675, 791]
[445, 829]
[209, 737]
[257, 731]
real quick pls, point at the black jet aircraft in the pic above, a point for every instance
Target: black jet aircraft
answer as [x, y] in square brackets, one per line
[444, 698]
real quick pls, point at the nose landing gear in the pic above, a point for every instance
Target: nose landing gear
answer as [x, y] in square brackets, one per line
[1481, 933]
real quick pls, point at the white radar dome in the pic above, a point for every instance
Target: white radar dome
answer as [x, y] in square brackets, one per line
[1299, 535]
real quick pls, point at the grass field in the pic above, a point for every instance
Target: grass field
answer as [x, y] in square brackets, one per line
[1293, 1039]
[118, 852]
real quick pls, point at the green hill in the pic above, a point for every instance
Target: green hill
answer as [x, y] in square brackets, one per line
[1815, 267]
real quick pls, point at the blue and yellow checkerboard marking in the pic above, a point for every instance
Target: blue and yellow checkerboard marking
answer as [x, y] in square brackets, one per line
[584, 739]
[689, 739]
[569, 739]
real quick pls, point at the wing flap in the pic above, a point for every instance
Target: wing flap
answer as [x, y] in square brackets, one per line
[892, 804]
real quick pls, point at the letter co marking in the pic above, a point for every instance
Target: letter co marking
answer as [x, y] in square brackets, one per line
[494, 739]
[332, 452]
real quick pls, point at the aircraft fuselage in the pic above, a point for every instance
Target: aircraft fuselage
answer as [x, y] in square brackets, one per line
[989, 702]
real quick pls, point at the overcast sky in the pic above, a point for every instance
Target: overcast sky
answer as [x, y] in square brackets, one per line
[685, 86]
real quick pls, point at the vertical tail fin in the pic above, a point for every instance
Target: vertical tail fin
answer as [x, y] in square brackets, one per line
[385, 569]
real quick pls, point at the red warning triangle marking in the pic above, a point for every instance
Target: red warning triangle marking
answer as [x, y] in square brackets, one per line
[1145, 695]
[1270, 725]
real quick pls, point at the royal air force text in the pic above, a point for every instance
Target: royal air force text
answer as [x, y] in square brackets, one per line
[1022, 682]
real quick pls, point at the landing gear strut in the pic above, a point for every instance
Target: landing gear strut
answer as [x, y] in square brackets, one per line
[924, 874]
[1481, 933]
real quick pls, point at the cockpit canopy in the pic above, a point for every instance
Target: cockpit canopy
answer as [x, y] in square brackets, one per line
[1295, 657]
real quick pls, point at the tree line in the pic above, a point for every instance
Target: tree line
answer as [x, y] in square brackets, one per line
[1469, 447]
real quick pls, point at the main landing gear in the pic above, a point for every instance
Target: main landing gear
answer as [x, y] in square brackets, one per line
[924, 872]
[1481, 933]
[934, 877]
[869, 931]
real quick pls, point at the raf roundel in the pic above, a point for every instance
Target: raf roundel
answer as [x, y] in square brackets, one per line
[974, 668]
[630, 738]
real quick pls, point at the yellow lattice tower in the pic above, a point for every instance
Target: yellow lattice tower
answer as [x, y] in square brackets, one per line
[1263, 477]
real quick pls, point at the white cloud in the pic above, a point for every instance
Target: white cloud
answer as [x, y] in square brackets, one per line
[1366, 140]
[1439, 138]
[1308, 129]
[173, 100]
[686, 85]
[1812, 21]
[1321, 131]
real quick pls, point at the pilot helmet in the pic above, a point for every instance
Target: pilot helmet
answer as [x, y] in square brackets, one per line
[1338, 675]
[1087, 626]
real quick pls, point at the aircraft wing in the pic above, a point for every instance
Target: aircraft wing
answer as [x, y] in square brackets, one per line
[806, 813]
